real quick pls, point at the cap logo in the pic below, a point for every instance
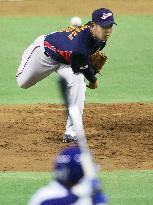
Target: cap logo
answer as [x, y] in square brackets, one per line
[105, 16]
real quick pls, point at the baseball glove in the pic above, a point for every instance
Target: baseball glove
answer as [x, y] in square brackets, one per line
[97, 61]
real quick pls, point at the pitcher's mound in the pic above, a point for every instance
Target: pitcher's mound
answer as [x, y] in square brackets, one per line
[120, 136]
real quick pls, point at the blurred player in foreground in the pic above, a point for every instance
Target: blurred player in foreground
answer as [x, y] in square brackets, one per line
[70, 186]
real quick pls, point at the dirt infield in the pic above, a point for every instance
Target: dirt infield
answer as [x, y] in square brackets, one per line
[72, 7]
[120, 136]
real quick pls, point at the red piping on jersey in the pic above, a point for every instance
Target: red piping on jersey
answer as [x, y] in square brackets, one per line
[64, 54]
[27, 61]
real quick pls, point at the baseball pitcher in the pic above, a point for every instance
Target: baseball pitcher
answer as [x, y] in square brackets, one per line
[74, 54]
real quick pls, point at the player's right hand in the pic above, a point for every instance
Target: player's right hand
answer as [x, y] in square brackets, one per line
[93, 85]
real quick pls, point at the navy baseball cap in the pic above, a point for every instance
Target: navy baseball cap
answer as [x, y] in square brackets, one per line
[103, 17]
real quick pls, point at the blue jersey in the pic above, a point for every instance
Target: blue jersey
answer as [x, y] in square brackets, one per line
[56, 194]
[74, 46]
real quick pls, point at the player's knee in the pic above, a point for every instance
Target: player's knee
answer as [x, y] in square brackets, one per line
[22, 84]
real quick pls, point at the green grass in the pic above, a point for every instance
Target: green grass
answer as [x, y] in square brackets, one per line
[127, 76]
[121, 187]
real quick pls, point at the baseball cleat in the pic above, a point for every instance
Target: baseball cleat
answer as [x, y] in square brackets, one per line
[68, 138]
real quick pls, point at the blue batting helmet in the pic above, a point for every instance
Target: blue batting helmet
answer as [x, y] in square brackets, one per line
[68, 169]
